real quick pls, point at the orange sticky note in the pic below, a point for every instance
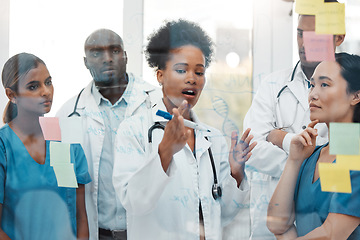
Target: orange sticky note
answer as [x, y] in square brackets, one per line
[330, 19]
[351, 162]
[319, 47]
[334, 178]
[50, 128]
[308, 7]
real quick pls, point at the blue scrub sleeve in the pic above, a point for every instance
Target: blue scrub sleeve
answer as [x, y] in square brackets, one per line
[2, 170]
[81, 167]
[348, 203]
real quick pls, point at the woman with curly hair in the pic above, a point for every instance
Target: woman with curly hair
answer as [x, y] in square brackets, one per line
[165, 179]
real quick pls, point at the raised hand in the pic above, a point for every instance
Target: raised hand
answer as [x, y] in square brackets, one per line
[175, 136]
[303, 144]
[240, 152]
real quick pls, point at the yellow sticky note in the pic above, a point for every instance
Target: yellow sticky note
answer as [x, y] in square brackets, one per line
[330, 19]
[334, 178]
[308, 7]
[351, 162]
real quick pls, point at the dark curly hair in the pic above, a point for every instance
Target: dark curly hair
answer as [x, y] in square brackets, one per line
[175, 34]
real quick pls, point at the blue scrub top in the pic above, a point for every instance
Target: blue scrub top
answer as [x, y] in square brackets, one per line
[33, 206]
[312, 206]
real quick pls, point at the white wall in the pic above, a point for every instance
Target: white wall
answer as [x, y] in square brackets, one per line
[133, 30]
[272, 38]
[4, 46]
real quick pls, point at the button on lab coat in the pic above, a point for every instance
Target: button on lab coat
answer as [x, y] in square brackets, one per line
[291, 112]
[166, 205]
[93, 136]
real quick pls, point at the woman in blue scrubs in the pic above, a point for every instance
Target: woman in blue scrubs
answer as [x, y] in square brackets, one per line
[334, 97]
[32, 206]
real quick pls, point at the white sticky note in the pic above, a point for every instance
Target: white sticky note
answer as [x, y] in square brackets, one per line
[71, 130]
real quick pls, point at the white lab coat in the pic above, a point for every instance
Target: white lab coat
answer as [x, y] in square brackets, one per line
[267, 162]
[163, 205]
[93, 135]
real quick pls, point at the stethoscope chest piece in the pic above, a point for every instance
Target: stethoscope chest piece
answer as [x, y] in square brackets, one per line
[216, 191]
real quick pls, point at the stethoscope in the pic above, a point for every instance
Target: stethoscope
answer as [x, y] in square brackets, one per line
[216, 189]
[77, 101]
[75, 106]
[277, 107]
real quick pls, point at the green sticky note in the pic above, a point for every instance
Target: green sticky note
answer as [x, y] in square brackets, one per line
[351, 162]
[308, 7]
[334, 178]
[330, 19]
[65, 175]
[59, 153]
[344, 138]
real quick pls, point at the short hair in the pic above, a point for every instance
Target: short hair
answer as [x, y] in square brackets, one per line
[350, 71]
[103, 32]
[175, 34]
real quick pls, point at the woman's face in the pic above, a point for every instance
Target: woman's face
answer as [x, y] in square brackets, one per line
[183, 77]
[328, 98]
[35, 92]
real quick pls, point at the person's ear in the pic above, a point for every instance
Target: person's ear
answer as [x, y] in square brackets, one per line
[356, 98]
[85, 62]
[160, 77]
[11, 95]
[125, 57]
[339, 39]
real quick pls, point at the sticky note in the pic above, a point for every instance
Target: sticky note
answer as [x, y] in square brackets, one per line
[308, 7]
[334, 178]
[319, 47]
[65, 175]
[59, 153]
[71, 130]
[344, 138]
[50, 128]
[330, 19]
[351, 162]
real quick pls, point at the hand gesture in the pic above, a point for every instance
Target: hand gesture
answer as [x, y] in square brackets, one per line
[240, 152]
[175, 136]
[303, 144]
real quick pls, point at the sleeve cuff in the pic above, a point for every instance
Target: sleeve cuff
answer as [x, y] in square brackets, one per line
[286, 142]
[244, 185]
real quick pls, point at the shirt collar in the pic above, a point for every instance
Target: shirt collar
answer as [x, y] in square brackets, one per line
[300, 76]
[99, 98]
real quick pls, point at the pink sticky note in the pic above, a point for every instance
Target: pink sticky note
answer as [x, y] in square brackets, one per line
[319, 47]
[50, 128]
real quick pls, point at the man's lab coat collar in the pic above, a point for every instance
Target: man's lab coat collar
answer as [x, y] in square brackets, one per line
[297, 89]
[140, 93]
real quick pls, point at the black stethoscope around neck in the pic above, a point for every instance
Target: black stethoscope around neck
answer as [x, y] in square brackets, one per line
[291, 79]
[215, 189]
[74, 112]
